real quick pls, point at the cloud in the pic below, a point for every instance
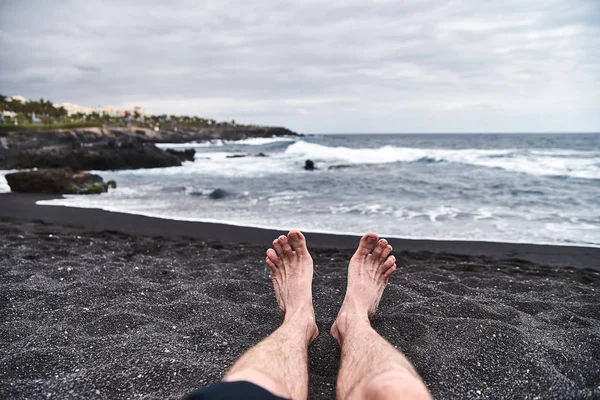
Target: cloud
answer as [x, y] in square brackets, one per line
[316, 66]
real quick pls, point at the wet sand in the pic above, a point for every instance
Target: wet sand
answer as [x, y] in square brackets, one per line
[142, 312]
[23, 207]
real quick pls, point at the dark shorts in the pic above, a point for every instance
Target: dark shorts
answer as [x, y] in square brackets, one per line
[232, 390]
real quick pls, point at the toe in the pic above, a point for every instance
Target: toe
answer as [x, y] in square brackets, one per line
[378, 250]
[272, 256]
[388, 264]
[285, 245]
[367, 242]
[278, 248]
[272, 266]
[390, 271]
[387, 250]
[298, 242]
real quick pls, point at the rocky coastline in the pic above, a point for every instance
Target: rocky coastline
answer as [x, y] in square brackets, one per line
[112, 148]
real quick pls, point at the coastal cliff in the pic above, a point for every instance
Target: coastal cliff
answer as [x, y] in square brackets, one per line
[106, 148]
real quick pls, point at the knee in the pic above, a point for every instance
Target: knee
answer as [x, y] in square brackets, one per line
[395, 385]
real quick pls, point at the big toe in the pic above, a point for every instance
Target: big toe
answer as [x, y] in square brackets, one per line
[298, 242]
[367, 242]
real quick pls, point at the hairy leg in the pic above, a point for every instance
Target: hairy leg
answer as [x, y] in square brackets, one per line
[279, 363]
[370, 366]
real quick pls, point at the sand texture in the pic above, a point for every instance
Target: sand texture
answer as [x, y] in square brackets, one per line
[109, 315]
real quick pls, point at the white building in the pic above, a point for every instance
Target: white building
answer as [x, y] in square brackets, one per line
[10, 114]
[76, 108]
[20, 99]
[108, 110]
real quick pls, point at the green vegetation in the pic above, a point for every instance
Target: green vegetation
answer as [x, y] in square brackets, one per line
[42, 108]
[44, 127]
[43, 115]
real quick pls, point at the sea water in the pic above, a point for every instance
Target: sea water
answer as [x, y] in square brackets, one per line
[505, 188]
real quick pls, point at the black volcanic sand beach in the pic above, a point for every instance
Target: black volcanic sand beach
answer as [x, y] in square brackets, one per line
[109, 315]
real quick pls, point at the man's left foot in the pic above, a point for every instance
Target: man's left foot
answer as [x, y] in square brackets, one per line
[292, 272]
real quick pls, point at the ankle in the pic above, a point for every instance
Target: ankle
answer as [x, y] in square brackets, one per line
[303, 319]
[351, 316]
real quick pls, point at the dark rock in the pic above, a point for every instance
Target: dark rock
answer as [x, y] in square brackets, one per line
[3, 151]
[111, 184]
[115, 148]
[236, 156]
[126, 155]
[218, 194]
[63, 181]
[183, 155]
[261, 155]
[196, 194]
[309, 165]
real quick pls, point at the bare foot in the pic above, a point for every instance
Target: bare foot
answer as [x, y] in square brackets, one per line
[368, 275]
[292, 272]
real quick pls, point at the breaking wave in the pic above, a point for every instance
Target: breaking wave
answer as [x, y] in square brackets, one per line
[258, 141]
[574, 164]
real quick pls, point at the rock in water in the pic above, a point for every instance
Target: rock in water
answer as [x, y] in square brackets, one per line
[183, 155]
[60, 181]
[309, 165]
[218, 194]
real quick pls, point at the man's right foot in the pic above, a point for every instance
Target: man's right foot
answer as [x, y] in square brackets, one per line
[368, 275]
[291, 273]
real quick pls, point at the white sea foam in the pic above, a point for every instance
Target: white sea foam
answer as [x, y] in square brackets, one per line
[468, 203]
[259, 141]
[218, 163]
[262, 141]
[4, 188]
[190, 145]
[576, 164]
[419, 224]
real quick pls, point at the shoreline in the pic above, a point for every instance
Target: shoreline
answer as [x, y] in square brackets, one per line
[317, 232]
[23, 207]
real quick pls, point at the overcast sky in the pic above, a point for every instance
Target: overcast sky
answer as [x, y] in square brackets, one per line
[316, 66]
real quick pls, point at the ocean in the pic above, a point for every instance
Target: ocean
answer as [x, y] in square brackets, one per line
[520, 188]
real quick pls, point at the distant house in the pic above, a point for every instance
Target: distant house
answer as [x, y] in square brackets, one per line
[10, 114]
[20, 99]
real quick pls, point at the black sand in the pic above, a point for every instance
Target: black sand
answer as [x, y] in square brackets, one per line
[23, 207]
[112, 315]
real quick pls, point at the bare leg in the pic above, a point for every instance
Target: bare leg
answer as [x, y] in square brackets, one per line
[370, 366]
[279, 363]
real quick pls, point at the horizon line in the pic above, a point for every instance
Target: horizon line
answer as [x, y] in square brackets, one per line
[455, 133]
